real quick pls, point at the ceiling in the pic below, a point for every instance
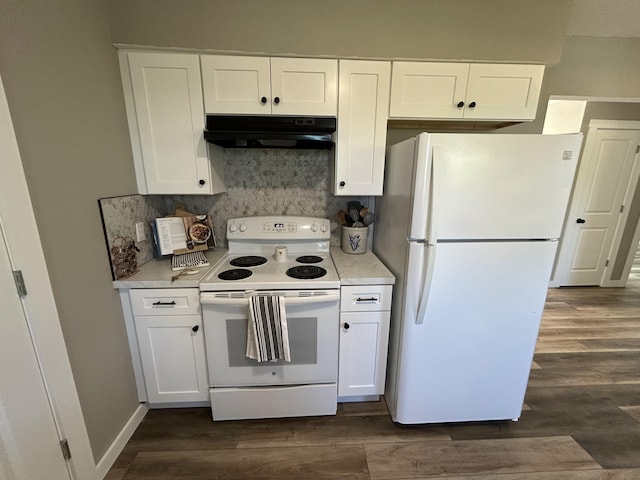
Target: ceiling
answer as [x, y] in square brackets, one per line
[605, 18]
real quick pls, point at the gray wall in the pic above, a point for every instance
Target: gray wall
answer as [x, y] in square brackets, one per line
[609, 111]
[498, 30]
[61, 73]
[597, 67]
[590, 67]
[62, 83]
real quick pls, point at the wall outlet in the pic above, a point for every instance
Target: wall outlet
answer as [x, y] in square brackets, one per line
[140, 236]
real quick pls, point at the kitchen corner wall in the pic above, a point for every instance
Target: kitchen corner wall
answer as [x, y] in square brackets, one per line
[259, 182]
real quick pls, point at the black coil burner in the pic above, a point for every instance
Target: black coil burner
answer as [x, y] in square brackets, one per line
[235, 274]
[309, 259]
[248, 261]
[306, 272]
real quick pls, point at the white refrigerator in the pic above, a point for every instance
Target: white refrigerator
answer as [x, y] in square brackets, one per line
[469, 225]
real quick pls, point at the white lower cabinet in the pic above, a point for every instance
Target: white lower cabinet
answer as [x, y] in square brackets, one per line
[364, 338]
[170, 335]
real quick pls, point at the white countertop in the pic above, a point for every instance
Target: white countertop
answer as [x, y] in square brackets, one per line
[157, 274]
[362, 269]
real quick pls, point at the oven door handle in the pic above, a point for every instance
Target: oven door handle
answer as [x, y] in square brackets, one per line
[212, 299]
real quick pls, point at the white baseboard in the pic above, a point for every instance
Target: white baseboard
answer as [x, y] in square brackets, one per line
[110, 456]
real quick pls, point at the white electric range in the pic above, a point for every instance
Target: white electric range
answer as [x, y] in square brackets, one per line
[284, 256]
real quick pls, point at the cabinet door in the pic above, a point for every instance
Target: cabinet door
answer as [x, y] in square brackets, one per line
[363, 109]
[428, 90]
[364, 338]
[173, 358]
[167, 97]
[236, 84]
[503, 92]
[303, 86]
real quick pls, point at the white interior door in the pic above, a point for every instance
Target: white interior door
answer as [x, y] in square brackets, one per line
[597, 207]
[29, 441]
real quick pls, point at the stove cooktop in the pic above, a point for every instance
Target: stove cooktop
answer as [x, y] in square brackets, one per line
[295, 272]
[275, 252]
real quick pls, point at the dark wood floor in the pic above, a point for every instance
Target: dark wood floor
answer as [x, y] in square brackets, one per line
[581, 420]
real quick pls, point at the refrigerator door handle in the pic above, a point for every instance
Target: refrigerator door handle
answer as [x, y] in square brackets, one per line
[432, 209]
[432, 244]
[426, 288]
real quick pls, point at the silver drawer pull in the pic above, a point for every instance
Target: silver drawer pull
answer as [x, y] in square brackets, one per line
[164, 304]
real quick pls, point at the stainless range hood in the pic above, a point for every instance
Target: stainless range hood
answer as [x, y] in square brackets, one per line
[240, 131]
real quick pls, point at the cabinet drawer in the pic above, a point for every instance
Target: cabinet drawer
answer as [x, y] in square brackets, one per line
[365, 298]
[165, 301]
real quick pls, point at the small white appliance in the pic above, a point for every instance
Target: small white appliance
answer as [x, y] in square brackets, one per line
[273, 256]
[469, 225]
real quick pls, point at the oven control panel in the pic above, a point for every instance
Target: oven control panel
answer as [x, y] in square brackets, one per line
[278, 227]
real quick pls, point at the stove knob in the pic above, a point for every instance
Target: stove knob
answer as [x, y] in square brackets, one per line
[243, 227]
[233, 227]
[323, 227]
[314, 227]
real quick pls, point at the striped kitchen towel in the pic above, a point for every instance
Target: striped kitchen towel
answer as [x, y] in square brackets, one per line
[267, 332]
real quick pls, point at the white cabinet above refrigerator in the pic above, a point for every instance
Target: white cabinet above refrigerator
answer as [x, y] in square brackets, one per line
[428, 90]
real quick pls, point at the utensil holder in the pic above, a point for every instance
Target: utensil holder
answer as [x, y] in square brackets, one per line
[354, 239]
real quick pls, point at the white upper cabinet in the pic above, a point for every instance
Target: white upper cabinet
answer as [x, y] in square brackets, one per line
[301, 86]
[163, 95]
[236, 84]
[269, 86]
[363, 108]
[425, 90]
[508, 92]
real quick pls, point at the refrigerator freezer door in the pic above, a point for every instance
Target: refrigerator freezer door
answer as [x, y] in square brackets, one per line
[501, 186]
[470, 358]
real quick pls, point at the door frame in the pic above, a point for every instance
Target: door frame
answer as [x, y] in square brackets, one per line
[594, 126]
[39, 306]
[622, 222]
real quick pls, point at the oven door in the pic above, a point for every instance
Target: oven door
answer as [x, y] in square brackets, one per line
[313, 325]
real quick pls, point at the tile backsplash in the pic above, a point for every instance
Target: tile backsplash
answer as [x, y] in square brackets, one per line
[119, 218]
[271, 182]
[258, 182]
